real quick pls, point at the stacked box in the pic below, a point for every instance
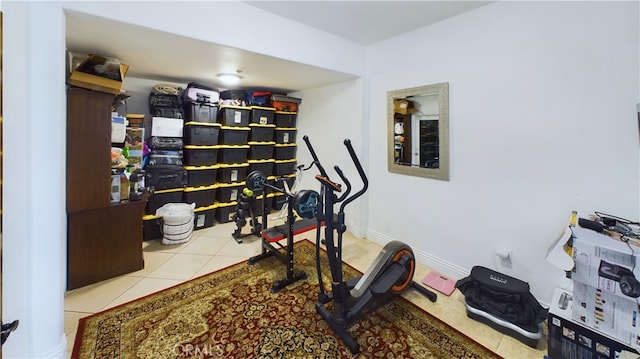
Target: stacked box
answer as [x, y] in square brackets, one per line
[233, 153]
[200, 111]
[285, 167]
[159, 198]
[225, 211]
[285, 151]
[235, 172]
[285, 135]
[234, 135]
[202, 196]
[261, 133]
[262, 115]
[204, 217]
[264, 166]
[261, 150]
[201, 134]
[229, 192]
[200, 155]
[285, 119]
[234, 115]
[201, 175]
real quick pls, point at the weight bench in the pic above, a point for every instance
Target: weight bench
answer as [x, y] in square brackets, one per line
[272, 236]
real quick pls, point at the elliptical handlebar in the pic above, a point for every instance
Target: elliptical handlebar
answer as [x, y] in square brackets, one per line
[316, 161]
[363, 176]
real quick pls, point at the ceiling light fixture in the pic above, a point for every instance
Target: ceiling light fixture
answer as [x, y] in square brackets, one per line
[229, 78]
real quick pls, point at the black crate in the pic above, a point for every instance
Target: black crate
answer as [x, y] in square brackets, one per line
[262, 115]
[159, 198]
[285, 167]
[151, 227]
[200, 155]
[264, 166]
[285, 151]
[261, 133]
[200, 112]
[236, 172]
[203, 196]
[285, 135]
[201, 175]
[165, 176]
[278, 201]
[229, 192]
[201, 134]
[204, 217]
[261, 150]
[225, 212]
[286, 119]
[234, 115]
[233, 154]
[234, 135]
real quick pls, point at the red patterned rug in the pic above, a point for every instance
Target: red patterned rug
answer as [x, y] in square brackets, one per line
[231, 313]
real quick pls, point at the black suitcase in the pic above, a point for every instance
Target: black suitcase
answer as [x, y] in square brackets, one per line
[163, 100]
[165, 143]
[164, 157]
[165, 177]
[169, 112]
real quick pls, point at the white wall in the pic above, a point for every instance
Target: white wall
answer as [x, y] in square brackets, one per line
[542, 122]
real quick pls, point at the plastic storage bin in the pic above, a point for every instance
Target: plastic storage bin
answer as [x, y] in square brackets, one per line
[285, 119]
[204, 217]
[261, 150]
[200, 155]
[225, 211]
[285, 167]
[233, 115]
[233, 153]
[228, 192]
[262, 115]
[230, 173]
[159, 198]
[285, 135]
[285, 151]
[264, 166]
[200, 112]
[201, 134]
[261, 133]
[234, 135]
[201, 175]
[202, 196]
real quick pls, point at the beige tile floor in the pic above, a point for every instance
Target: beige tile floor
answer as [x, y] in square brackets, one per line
[213, 248]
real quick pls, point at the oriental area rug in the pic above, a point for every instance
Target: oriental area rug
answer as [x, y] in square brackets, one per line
[231, 313]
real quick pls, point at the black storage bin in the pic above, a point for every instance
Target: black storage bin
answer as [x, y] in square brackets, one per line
[204, 217]
[151, 227]
[236, 172]
[262, 115]
[261, 133]
[285, 119]
[233, 153]
[229, 192]
[203, 196]
[200, 112]
[164, 157]
[165, 177]
[234, 135]
[233, 115]
[201, 175]
[225, 212]
[285, 151]
[168, 112]
[200, 155]
[165, 143]
[201, 134]
[264, 166]
[278, 201]
[159, 198]
[285, 167]
[261, 150]
[285, 135]
[163, 100]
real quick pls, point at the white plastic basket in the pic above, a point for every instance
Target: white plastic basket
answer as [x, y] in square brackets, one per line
[177, 222]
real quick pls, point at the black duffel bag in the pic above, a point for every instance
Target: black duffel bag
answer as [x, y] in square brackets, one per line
[503, 297]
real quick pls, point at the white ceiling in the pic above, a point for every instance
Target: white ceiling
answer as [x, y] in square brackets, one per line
[363, 22]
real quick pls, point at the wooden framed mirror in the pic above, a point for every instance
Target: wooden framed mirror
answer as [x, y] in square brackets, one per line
[418, 131]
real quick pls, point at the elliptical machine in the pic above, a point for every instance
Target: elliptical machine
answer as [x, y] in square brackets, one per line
[390, 274]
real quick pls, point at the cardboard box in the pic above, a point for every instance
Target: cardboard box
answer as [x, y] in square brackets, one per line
[569, 339]
[166, 127]
[606, 313]
[605, 263]
[88, 74]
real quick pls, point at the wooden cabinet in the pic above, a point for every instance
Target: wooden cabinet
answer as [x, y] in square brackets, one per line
[104, 240]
